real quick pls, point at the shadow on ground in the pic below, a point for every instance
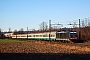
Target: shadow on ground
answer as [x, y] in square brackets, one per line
[43, 56]
[80, 41]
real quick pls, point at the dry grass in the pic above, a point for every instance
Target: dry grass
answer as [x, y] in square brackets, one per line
[40, 47]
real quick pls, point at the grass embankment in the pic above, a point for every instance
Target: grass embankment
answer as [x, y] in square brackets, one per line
[9, 40]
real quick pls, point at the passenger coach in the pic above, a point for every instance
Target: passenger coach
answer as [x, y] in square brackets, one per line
[62, 36]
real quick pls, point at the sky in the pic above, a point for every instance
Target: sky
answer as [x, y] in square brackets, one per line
[17, 14]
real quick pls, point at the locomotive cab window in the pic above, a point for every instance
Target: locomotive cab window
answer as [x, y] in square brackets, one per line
[73, 35]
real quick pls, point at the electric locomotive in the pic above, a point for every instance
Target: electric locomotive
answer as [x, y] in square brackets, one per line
[67, 36]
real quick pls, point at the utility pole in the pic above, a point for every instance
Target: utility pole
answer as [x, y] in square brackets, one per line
[49, 29]
[79, 29]
[27, 33]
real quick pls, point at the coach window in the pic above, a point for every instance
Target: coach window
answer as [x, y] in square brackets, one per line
[23, 36]
[37, 35]
[29, 36]
[18, 36]
[33, 35]
[13, 36]
[52, 35]
[40, 35]
[44, 35]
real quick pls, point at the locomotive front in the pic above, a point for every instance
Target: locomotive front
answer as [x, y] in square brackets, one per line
[73, 36]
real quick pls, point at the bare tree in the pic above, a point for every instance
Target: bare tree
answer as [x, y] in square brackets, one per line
[89, 23]
[15, 32]
[21, 31]
[9, 30]
[74, 25]
[86, 22]
[83, 25]
[43, 26]
[33, 29]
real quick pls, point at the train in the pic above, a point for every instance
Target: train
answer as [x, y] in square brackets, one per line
[56, 36]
